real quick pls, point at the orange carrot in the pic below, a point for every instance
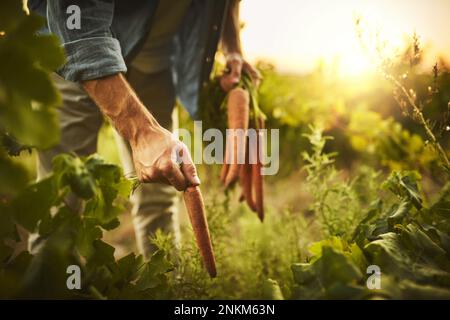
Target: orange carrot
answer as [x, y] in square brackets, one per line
[238, 106]
[257, 178]
[224, 170]
[196, 209]
[246, 181]
[258, 190]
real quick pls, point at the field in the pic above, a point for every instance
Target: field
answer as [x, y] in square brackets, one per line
[360, 208]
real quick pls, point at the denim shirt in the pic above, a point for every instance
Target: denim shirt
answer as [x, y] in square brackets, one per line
[112, 32]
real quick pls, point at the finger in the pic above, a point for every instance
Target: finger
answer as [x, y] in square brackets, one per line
[175, 177]
[236, 70]
[188, 168]
[254, 74]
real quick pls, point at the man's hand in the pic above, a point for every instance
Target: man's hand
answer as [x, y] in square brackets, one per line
[157, 155]
[235, 67]
[231, 46]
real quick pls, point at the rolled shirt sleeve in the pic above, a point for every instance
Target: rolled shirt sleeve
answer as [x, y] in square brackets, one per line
[92, 51]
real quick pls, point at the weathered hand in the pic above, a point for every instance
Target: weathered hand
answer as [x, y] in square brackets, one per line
[159, 157]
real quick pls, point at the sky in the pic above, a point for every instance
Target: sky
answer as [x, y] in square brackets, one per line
[294, 34]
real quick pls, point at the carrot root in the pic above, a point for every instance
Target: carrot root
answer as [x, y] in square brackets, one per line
[196, 209]
[257, 178]
[223, 172]
[246, 181]
[238, 107]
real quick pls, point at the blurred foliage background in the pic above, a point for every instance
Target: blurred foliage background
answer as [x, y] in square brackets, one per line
[360, 182]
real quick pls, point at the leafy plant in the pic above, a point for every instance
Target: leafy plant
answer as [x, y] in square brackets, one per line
[27, 95]
[331, 195]
[412, 254]
[69, 209]
[70, 234]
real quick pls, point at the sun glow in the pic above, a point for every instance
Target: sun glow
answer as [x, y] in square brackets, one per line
[295, 34]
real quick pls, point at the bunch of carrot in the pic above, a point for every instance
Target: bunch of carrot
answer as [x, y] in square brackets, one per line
[242, 114]
[238, 147]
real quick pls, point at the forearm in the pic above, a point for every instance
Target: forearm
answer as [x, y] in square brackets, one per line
[231, 41]
[117, 100]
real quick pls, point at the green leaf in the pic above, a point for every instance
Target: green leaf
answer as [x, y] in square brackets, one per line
[28, 96]
[70, 170]
[88, 233]
[34, 203]
[412, 255]
[304, 273]
[46, 275]
[404, 184]
[12, 274]
[333, 274]
[153, 277]
[13, 176]
[102, 256]
[411, 290]
[129, 266]
[336, 267]
[334, 242]
[400, 211]
[340, 291]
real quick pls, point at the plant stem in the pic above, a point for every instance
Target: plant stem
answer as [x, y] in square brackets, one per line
[418, 112]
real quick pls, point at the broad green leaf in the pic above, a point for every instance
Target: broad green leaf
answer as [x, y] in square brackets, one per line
[337, 268]
[34, 203]
[46, 274]
[13, 176]
[399, 212]
[102, 256]
[303, 273]
[404, 184]
[88, 233]
[334, 242]
[411, 290]
[411, 254]
[153, 276]
[339, 291]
